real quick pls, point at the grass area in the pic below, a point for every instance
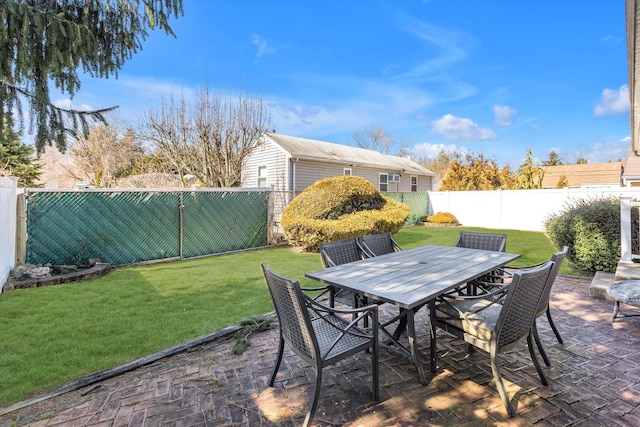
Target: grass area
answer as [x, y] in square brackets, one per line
[53, 335]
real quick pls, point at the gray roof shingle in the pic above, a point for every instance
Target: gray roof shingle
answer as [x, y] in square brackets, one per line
[310, 149]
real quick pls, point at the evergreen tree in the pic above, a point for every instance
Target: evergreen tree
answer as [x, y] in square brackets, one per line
[562, 182]
[529, 176]
[50, 41]
[553, 160]
[476, 173]
[17, 159]
[439, 166]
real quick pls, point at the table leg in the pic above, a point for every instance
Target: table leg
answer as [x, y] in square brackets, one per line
[616, 309]
[432, 330]
[402, 324]
[412, 345]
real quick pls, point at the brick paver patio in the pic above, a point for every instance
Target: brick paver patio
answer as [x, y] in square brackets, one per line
[594, 380]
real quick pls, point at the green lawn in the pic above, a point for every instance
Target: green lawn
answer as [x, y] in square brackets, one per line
[53, 335]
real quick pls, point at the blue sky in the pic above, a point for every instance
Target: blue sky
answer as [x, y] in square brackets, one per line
[479, 76]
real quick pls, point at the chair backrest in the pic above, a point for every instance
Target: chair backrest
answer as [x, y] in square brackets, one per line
[379, 244]
[520, 306]
[487, 241]
[295, 323]
[341, 252]
[557, 259]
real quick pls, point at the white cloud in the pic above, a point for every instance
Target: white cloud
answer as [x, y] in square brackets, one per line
[611, 39]
[537, 128]
[68, 104]
[613, 102]
[263, 46]
[431, 151]
[503, 115]
[461, 129]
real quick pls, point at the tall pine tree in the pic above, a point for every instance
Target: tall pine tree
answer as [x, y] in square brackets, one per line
[529, 176]
[17, 159]
[51, 41]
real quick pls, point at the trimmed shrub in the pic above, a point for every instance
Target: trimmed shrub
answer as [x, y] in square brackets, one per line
[338, 208]
[441, 218]
[591, 230]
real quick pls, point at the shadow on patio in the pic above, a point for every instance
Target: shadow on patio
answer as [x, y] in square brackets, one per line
[594, 380]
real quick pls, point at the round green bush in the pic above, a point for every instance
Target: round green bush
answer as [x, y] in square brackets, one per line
[338, 208]
[591, 230]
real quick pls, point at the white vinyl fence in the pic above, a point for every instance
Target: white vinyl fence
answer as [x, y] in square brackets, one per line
[8, 191]
[516, 209]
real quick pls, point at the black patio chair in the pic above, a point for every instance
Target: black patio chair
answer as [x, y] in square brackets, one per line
[485, 241]
[543, 306]
[319, 334]
[337, 253]
[379, 244]
[499, 324]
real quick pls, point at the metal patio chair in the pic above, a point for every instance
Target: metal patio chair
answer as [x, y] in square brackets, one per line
[320, 335]
[485, 241]
[543, 306]
[499, 324]
[337, 253]
[379, 244]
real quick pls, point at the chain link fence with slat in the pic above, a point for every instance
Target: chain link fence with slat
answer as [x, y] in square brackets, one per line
[418, 202]
[124, 227]
[127, 227]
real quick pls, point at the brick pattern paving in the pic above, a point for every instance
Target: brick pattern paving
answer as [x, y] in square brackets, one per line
[594, 380]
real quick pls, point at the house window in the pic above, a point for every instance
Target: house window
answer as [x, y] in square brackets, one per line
[414, 183]
[347, 172]
[262, 176]
[384, 179]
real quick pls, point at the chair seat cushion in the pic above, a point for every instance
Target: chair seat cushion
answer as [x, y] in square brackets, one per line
[469, 317]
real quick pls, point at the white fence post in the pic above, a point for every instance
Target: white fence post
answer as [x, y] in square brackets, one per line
[625, 229]
[8, 198]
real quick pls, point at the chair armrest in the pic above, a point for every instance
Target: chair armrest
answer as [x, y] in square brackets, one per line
[322, 291]
[522, 267]
[495, 297]
[320, 288]
[327, 312]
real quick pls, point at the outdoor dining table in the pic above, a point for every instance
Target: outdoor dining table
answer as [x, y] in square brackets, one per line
[411, 279]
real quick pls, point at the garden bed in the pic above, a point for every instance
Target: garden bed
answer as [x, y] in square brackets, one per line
[82, 273]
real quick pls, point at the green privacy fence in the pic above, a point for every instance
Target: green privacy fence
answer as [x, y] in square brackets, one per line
[418, 202]
[125, 227]
[129, 226]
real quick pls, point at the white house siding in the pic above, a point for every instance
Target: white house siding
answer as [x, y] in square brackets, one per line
[274, 158]
[308, 172]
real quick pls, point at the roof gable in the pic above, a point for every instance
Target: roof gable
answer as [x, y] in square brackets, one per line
[310, 149]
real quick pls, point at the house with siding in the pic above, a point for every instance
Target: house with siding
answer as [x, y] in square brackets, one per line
[292, 164]
[631, 170]
[585, 175]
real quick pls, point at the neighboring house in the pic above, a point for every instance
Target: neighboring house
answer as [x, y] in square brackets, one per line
[631, 170]
[587, 175]
[292, 164]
